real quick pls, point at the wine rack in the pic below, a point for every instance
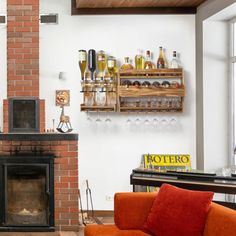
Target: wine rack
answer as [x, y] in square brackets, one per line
[92, 94]
[153, 90]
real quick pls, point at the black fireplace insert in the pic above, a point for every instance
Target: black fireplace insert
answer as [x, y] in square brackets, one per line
[26, 193]
[23, 115]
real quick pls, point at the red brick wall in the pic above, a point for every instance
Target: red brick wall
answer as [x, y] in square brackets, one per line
[23, 54]
[66, 176]
[23, 48]
[5, 116]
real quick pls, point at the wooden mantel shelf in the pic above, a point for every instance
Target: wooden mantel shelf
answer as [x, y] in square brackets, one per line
[88, 7]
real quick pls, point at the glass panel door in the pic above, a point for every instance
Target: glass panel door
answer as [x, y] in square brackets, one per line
[26, 198]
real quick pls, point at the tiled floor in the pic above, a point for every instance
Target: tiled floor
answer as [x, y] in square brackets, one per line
[103, 220]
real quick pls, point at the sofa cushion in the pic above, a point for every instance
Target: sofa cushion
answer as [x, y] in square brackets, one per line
[131, 209]
[178, 212]
[221, 221]
[110, 230]
[100, 230]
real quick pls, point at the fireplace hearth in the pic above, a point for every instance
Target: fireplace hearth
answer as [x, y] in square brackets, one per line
[27, 193]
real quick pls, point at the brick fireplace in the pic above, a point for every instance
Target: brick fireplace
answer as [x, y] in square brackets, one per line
[64, 148]
[23, 83]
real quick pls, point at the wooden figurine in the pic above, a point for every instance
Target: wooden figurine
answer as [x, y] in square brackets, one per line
[64, 122]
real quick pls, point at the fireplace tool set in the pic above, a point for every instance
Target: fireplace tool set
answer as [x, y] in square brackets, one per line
[88, 217]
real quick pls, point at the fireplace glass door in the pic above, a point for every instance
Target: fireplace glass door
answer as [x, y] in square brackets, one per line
[27, 200]
[23, 115]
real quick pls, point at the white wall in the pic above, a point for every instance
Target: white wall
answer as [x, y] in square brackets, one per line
[3, 60]
[107, 155]
[215, 94]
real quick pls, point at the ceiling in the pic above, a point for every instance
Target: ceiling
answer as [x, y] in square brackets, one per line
[136, 3]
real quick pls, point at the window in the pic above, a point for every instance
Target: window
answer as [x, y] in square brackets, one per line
[233, 79]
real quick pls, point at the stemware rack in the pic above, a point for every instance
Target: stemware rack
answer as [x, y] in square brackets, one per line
[168, 96]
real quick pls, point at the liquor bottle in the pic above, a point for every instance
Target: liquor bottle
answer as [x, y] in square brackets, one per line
[127, 65]
[111, 65]
[82, 62]
[148, 64]
[174, 62]
[92, 61]
[139, 61]
[161, 59]
[101, 60]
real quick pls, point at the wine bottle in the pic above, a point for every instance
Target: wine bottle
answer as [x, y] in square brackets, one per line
[92, 61]
[101, 61]
[82, 62]
[111, 65]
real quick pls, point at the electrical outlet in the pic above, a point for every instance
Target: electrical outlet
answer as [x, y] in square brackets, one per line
[109, 198]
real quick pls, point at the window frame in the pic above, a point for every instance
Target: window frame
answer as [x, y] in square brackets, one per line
[232, 92]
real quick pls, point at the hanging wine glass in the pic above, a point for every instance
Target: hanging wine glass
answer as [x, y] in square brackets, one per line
[89, 119]
[146, 121]
[137, 120]
[128, 121]
[98, 120]
[155, 122]
[108, 119]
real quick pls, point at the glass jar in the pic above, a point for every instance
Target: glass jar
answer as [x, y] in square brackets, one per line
[127, 65]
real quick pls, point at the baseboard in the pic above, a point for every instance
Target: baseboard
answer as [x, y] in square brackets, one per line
[102, 213]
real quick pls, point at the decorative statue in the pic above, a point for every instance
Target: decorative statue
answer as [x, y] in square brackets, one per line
[64, 122]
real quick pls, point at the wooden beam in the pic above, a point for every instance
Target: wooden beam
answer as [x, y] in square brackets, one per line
[136, 3]
[131, 10]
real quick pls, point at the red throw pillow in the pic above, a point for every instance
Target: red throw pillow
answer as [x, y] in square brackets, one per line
[178, 212]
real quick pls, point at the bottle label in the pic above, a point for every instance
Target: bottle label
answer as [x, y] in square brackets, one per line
[82, 56]
[101, 58]
[110, 63]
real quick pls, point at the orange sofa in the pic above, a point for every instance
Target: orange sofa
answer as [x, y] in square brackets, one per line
[131, 211]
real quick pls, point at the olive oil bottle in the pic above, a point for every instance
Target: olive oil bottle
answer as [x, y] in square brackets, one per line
[139, 61]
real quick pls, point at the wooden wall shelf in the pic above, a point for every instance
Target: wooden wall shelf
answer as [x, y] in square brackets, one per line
[133, 91]
[131, 98]
[97, 108]
[170, 98]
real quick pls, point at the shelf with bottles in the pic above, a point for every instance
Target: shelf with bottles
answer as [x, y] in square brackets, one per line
[99, 94]
[99, 87]
[160, 87]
